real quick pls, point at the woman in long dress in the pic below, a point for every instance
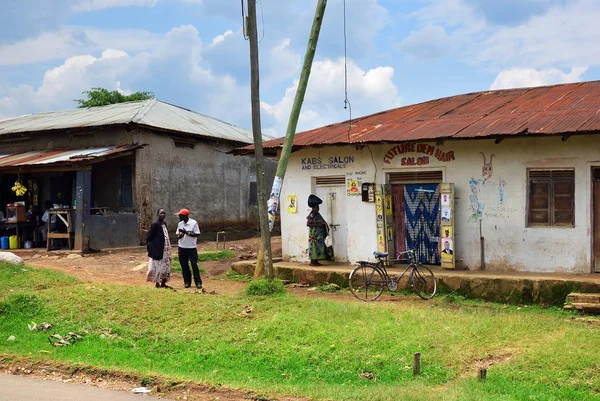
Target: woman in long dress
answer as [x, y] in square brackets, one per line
[159, 252]
[317, 232]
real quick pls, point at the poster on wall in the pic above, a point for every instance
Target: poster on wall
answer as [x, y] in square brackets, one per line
[447, 244]
[379, 206]
[354, 181]
[388, 205]
[292, 203]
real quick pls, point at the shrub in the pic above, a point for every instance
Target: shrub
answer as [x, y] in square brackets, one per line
[263, 286]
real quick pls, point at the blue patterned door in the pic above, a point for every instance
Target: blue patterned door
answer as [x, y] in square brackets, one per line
[422, 221]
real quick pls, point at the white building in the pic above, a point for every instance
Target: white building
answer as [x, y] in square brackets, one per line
[520, 171]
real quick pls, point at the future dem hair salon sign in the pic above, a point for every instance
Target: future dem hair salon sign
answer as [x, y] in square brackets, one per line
[424, 153]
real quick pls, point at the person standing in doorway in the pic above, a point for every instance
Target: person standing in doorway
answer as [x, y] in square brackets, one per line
[159, 251]
[187, 233]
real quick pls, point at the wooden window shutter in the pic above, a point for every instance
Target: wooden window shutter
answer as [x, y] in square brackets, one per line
[551, 198]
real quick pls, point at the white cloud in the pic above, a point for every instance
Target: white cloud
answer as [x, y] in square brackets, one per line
[221, 38]
[171, 69]
[428, 43]
[369, 91]
[71, 41]
[92, 5]
[563, 36]
[525, 77]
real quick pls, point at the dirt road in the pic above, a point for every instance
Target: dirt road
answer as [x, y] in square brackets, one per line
[20, 388]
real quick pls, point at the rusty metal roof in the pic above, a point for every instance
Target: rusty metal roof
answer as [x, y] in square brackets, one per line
[60, 157]
[548, 110]
[149, 113]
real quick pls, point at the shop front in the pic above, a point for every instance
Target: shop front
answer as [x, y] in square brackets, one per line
[59, 199]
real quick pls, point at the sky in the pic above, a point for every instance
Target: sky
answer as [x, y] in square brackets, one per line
[192, 53]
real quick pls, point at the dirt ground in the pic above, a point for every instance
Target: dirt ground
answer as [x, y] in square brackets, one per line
[129, 266]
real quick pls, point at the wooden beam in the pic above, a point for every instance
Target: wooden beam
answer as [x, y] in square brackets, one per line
[498, 140]
[83, 196]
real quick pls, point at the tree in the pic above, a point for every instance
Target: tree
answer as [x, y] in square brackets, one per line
[102, 97]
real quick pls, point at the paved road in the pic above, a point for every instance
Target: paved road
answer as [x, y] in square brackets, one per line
[19, 388]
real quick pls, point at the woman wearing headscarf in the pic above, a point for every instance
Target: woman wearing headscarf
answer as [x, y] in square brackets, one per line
[159, 251]
[317, 232]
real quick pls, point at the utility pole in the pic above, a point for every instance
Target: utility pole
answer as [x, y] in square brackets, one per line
[265, 235]
[293, 121]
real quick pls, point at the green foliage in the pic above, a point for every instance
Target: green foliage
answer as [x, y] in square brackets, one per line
[235, 276]
[103, 97]
[263, 286]
[222, 254]
[330, 288]
[146, 381]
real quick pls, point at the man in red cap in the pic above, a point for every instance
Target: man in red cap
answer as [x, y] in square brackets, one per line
[187, 233]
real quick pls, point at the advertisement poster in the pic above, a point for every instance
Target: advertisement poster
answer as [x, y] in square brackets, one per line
[445, 199]
[379, 206]
[447, 249]
[388, 205]
[273, 201]
[292, 202]
[353, 187]
[446, 214]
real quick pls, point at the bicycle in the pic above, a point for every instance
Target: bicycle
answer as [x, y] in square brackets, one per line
[374, 277]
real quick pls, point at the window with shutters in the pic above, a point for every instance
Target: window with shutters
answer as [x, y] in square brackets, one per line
[551, 198]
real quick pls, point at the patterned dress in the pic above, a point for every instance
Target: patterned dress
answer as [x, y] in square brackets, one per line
[159, 270]
[316, 237]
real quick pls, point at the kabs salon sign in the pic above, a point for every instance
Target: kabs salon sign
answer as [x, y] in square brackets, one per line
[424, 153]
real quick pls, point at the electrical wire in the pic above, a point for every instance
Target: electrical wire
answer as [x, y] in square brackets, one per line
[346, 101]
[374, 164]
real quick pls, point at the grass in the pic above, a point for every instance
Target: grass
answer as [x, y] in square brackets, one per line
[205, 256]
[338, 349]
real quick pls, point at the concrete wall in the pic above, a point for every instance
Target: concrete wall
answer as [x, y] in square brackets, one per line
[212, 184]
[510, 244]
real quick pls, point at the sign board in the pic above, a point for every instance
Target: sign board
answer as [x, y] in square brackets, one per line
[447, 244]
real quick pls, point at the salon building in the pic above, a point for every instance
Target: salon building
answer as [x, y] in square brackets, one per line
[503, 180]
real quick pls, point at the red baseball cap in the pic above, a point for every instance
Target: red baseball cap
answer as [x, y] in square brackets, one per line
[184, 212]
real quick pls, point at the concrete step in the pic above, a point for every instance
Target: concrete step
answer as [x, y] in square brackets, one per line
[584, 307]
[579, 297]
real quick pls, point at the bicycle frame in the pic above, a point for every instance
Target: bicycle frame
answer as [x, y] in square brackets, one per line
[381, 264]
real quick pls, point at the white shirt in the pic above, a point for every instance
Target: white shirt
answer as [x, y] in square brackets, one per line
[187, 241]
[45, 218]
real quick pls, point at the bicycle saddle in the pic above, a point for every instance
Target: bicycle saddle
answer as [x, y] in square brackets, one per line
[380, 255]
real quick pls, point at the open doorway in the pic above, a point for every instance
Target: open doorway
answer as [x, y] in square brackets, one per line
[596, 219]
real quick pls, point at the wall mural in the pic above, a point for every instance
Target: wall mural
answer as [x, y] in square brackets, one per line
[476, 204]
[488, 169]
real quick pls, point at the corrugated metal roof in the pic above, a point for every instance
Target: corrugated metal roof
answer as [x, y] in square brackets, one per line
[548, 110]
[56, 157]
[150, 113]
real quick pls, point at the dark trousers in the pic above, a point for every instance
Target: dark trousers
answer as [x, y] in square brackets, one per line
[187, 256]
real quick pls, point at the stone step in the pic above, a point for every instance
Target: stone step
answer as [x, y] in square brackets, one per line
[584, 307]
[579, 297]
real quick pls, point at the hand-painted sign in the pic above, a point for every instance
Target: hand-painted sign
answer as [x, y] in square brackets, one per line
[421, 148]
[319, 163]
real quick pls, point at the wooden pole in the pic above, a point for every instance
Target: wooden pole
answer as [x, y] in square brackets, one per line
[261, 184]
[482, 374]
[293, 121]
[417, 364]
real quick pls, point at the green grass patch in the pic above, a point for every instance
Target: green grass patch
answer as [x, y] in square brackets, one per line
[330, 288]
[232, 275]
[263, 286]
[218, 254]
[338, 349]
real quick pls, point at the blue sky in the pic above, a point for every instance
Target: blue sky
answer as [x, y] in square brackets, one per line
[192, 52]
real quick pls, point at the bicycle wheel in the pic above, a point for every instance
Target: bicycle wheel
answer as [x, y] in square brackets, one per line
[367, 282]
[423, 282]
